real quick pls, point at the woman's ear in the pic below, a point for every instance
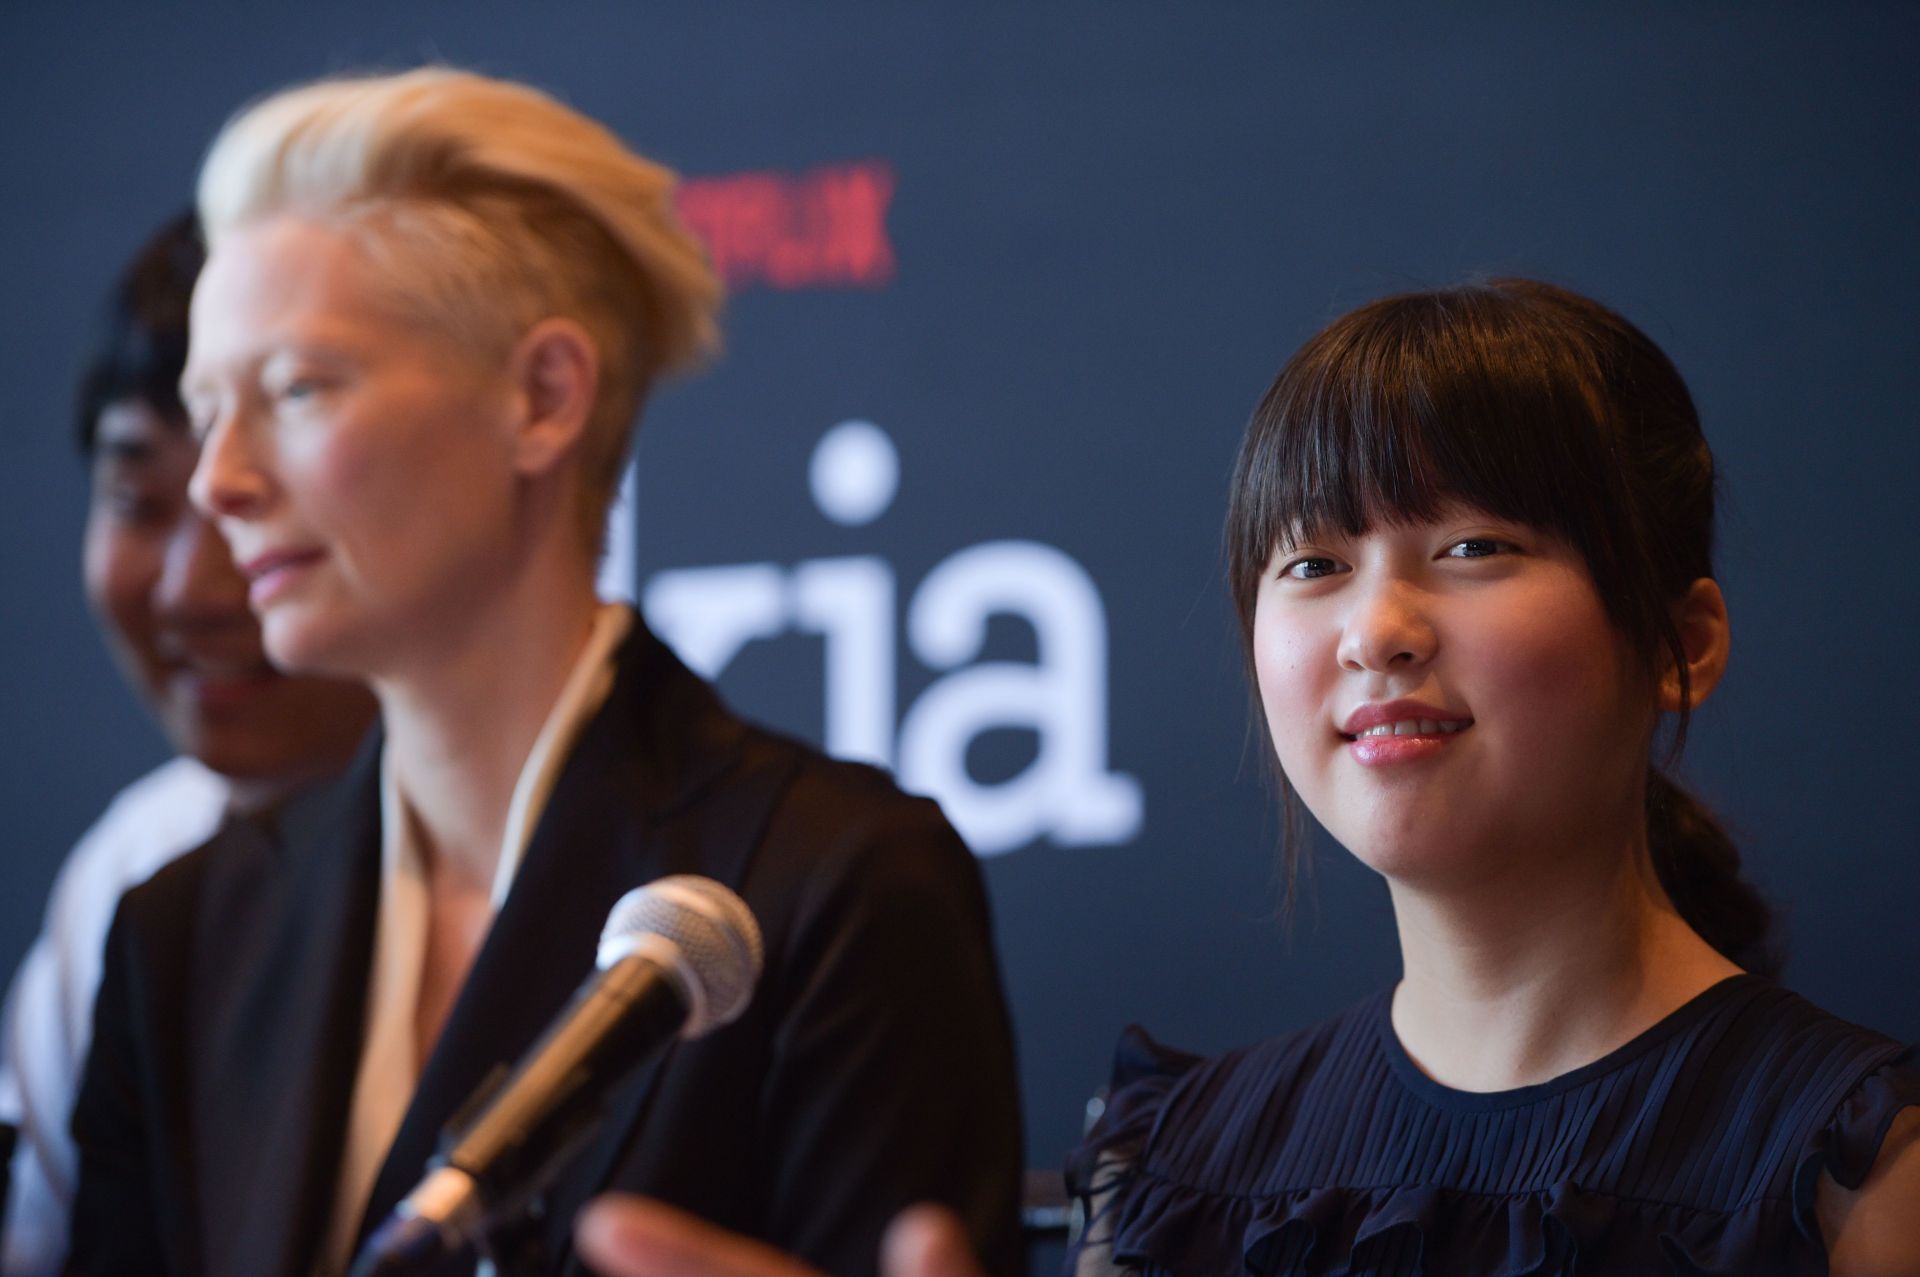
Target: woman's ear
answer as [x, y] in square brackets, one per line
[555, 369]
[1701, 618]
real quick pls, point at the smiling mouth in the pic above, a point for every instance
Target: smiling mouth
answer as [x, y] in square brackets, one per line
[1413, 727]
[265, 565]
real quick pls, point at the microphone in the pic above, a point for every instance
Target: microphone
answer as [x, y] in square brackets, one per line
[679, 956]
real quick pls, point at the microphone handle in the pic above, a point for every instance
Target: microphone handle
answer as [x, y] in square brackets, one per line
[619, 1017]
[521, 1131]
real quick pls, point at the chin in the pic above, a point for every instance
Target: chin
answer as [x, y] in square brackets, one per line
[1418, 859]
[308, 646]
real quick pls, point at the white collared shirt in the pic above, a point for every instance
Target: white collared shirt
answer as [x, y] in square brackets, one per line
[49, 1011]
[389, 1072]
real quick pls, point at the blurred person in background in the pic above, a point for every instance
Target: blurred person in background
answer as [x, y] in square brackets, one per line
[173, 609]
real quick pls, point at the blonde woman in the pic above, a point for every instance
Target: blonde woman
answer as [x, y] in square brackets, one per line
[433, 306]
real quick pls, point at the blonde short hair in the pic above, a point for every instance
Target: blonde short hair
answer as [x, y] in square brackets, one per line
[490, 206]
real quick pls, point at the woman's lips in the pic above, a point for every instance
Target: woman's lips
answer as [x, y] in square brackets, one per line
[1380, 735]
[1382, 751]
[272, 574]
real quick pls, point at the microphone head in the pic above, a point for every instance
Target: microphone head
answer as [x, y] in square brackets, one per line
[701, 934]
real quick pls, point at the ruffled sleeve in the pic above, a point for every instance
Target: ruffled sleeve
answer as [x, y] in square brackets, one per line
[1849, 1144]
[1103, 1169]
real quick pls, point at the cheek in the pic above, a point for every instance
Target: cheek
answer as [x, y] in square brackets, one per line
[120, 569]
[394, 473]
[1294, 666]
[355, 487]
[1568, 681]
[339, 470]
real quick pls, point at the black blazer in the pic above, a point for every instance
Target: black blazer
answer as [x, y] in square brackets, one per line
[873, 1069]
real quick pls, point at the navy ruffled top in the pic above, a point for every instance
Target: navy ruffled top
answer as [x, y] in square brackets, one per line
[1695, 1148]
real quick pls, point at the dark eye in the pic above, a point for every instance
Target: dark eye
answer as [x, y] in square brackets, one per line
[1479, 548]
[136, 506]
[1311, 568]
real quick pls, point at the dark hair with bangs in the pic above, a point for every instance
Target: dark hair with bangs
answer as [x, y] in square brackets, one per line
[1533, 404]
[142, 348]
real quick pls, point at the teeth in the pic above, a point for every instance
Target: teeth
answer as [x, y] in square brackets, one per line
[1414, 727]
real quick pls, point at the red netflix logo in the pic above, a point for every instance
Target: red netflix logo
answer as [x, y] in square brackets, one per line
[826, 228]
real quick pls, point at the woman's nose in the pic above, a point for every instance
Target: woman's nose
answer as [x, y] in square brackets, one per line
[228, 481]
[1388, 630]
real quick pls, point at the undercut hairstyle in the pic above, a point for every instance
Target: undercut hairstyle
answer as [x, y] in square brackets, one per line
[1534, 404]
[142, 346]
[488, 206]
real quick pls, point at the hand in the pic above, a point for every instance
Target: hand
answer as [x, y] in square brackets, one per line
[622, 1236]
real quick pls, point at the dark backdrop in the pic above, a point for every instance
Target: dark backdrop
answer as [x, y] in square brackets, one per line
[1107, 225]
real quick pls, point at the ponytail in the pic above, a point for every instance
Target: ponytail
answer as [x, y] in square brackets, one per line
[1700, 868]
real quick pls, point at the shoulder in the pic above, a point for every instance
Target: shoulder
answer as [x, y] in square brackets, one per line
[1857, 1179]
[855, 810]
[1252, 1091]
[1869, 1228]
[1768, 1059]
[169, 811]
[864, 894]
[846, 850]
[841, 824]
[1173, 1169]
[225, 869]
[150, 824]
[1762, 1014]
[1842, 1103]
[1189, 1119]
[803, 812]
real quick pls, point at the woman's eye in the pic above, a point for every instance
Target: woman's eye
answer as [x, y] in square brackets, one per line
[1479, 548]
[1311, 568]
[300, 387]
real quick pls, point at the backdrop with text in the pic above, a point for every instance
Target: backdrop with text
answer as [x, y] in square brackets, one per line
[1006, 281]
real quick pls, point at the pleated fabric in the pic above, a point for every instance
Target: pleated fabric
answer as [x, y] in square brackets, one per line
[1695, 1148]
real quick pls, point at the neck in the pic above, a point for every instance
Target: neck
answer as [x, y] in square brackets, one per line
[1518, 981]
[461, 723]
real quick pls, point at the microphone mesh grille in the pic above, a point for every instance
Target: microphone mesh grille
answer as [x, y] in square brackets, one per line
[713, 933]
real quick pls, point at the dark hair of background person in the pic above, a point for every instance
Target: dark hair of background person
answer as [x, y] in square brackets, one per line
[142, 346]
[1537, 405]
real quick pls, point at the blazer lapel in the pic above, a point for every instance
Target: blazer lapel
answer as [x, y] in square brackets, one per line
[281, 954]
[596, 840]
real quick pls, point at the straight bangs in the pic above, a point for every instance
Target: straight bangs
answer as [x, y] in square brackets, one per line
[1415, 402]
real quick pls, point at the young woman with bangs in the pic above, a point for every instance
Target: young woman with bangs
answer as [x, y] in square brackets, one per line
[1470, 545]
